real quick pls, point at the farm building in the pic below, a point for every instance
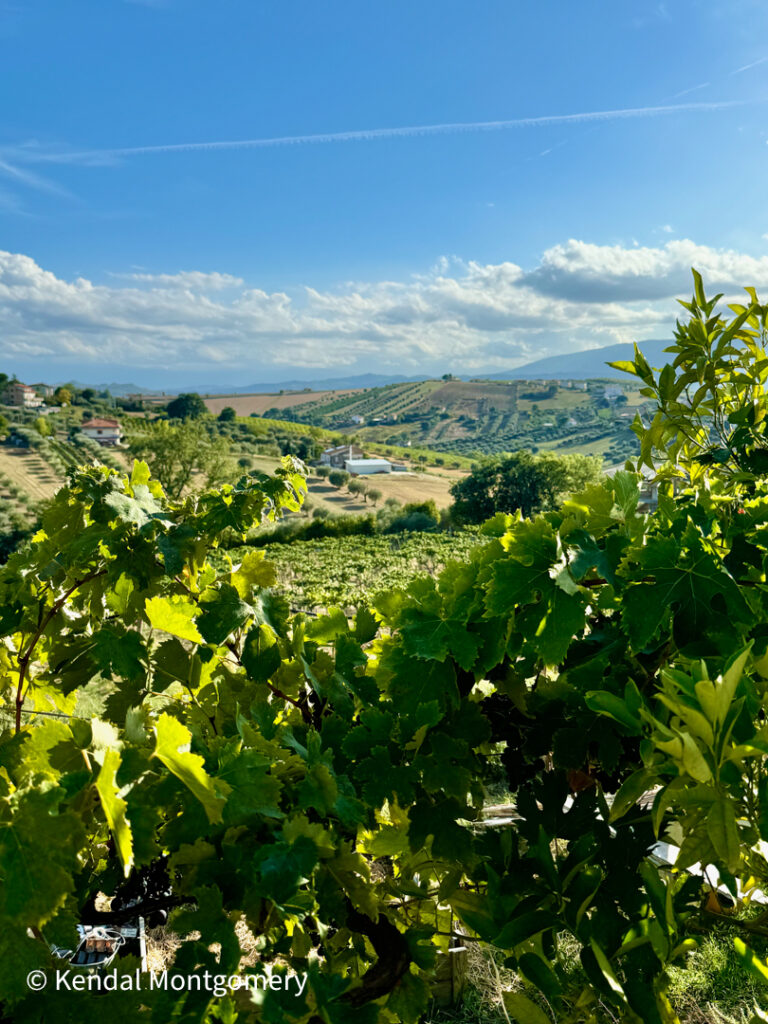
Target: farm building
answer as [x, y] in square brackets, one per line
[336, 457]
[364, 467]
[106, 432]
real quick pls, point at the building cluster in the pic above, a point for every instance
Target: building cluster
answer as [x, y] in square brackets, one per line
[26, 396]
[104, 431]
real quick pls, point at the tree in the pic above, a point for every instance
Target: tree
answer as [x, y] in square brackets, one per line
[178, 452]
[187, 406]
[375, 495]
[62, 396]
[43, 426]
[338, 477]
[530, 483]
[3, 425]
[357, 487]
[322, 471]
[227, 415]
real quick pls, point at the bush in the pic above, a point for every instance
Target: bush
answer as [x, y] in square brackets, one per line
[323, 524]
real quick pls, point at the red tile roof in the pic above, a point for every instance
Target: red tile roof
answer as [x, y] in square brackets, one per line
[100, 423]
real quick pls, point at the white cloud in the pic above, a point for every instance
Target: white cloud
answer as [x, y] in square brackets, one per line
[468, 317]
[582, 272]
[188, 279]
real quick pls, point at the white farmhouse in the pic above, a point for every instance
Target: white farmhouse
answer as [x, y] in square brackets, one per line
[336, 457]
[364, 467]
[105, 432]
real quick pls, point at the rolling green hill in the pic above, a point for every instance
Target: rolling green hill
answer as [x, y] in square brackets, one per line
[467, 418]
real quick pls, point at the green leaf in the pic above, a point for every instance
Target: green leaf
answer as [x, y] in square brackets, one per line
[724, 833]
[540, 974]
[409, 998]
[39, 854]
[523, 1009]
[114, 808]
[524, 927]
[172, 742]
[605, 703]
[253, 572]
[754, 965]
[261, 655]
[174, 615]
[631, 790]
[223, 612]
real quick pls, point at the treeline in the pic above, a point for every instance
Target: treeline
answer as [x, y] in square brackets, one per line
[413, 517]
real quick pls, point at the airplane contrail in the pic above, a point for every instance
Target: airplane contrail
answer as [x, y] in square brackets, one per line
[370, 134]
[31, 180]
[746, 67]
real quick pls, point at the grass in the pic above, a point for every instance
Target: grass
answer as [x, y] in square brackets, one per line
[711, 988]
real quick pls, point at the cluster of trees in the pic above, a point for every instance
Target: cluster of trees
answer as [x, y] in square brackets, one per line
[521, 481]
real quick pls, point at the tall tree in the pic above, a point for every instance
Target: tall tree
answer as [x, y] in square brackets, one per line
[187, 406]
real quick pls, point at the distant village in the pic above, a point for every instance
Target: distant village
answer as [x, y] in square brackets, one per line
[42, 398]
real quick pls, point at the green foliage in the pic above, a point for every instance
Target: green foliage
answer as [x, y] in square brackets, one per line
[357, 487]
[711, 403]
[227, 415]
[413, 517]
[177, 452]
[593, 654]
[187, 406]
[43, 426]
[530, 483]
[338, 569]
[338, 478]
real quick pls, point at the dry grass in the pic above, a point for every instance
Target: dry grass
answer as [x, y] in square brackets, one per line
[244, 405]
[162, 945]
[29, 472]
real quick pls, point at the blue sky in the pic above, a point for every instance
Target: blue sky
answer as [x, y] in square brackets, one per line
[463, 250]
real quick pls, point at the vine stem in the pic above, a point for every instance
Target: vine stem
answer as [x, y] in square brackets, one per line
[25, 659]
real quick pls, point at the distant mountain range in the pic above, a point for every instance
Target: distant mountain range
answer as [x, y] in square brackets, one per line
[583, 365]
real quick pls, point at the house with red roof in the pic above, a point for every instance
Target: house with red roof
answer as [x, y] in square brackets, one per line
[103, 431]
